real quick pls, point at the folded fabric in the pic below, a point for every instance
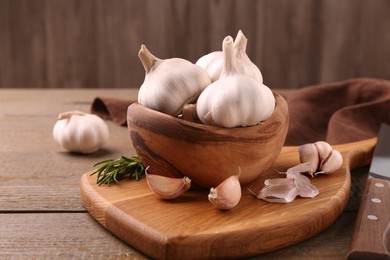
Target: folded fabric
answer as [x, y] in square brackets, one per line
[114, 109]
[339, 112]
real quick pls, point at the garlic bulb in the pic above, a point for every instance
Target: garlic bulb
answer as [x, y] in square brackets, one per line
[234, 99]
[171, 83]
[166, 187]
[227, 194]
[80, 132]
[213, 62]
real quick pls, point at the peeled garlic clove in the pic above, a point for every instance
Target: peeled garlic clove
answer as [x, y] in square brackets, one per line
[309, 153]
[234, 99]
[166, 187]
[80, 132]
[227, 194]
[171, 83]
[332, 163]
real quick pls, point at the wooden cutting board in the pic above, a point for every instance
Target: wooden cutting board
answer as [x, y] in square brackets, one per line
[190, 227]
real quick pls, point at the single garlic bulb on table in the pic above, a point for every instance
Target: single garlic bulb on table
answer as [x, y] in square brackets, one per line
[234, 99]
[171, 83]
[80, 132]
[213, 62]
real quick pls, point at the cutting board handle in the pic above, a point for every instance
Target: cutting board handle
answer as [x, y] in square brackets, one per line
[357, 154]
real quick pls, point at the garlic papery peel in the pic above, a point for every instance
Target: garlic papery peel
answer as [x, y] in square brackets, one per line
[171, 83]
[244, 64]
[213, 62]
[80, 132]
[234, 99]
[166, 187]
[285, 190]
[227, 194]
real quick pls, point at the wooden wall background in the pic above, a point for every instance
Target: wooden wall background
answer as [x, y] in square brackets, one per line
[94, 43]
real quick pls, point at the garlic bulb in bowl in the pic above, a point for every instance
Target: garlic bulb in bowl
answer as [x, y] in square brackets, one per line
[171, 83]
[213, 62]
[80, 132]
[235, 99]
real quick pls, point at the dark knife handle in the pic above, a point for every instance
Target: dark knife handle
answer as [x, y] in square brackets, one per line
[371, 236]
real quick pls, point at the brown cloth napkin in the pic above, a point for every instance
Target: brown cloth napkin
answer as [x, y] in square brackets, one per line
[339, 112]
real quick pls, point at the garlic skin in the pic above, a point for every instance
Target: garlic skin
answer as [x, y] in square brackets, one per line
[213, 62]
[234, 99]
[308, 153]
[171, 83]
[166, 187]
[80, 132]
[227, 194]
[321, 156]
[332, 164]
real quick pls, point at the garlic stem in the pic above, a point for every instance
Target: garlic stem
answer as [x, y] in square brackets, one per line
[147, 58]
[229, 59]
[240, 44]
[69, 114]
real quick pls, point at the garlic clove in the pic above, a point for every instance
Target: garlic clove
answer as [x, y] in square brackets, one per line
[189, 113]
[80, 132]
[227, 194]
[171, 83]
[324, 150]
[309, 153]
[166, 187]
[332, 163]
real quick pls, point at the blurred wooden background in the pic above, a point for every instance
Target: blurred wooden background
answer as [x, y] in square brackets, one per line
[94, 43]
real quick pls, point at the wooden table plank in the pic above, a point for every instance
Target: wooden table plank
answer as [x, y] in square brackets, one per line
[59, 235]
[41, 211]
[77, 235]
[36, 173]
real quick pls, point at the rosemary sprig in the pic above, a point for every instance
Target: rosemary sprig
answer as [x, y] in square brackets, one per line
[116, 169]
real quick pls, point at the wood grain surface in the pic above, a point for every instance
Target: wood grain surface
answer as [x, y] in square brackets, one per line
[175, 147]
[41, 212]
[94, 43]
[190, 228]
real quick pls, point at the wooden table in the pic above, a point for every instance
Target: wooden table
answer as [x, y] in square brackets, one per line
[41, 213]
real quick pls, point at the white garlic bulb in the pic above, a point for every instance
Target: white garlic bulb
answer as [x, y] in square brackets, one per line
[171, 83]
[80, 132]
[234, 99]
[213, 62]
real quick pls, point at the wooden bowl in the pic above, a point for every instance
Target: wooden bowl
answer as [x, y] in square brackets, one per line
[208, 155]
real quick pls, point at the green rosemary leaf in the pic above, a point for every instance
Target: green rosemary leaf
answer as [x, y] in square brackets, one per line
[113, 170]
[102, 162]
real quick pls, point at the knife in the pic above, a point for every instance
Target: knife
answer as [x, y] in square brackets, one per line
[371, 236]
